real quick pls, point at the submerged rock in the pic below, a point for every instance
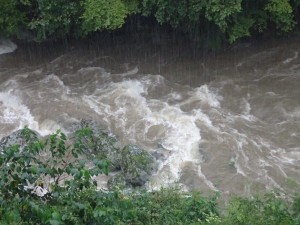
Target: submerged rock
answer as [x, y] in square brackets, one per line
[136, 165]
[19, 137]
[93, 139]
[117, 182]
[133, 164]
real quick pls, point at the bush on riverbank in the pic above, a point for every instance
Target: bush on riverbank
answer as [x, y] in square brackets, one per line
[209, 22]
[52, 182]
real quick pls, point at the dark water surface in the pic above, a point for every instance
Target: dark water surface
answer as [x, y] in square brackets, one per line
[227, 121]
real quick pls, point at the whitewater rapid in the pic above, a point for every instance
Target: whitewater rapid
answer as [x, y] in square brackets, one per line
[7, 46]
[238, 133]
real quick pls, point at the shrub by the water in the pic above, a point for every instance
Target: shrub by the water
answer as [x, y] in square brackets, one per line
[266, 209]
[211, 22]
[48, 182]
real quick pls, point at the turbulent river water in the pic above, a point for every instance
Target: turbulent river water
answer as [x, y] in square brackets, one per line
[227, 122]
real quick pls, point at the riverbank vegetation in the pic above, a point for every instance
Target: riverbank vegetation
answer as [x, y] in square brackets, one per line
[52, 181]
[211, 23]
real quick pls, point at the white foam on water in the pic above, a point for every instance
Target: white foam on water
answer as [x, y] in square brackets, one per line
[206, 181]
[93, 69]
[271, 93]
[49, 127]
[295, 113]
[285, 157]
[15, 112]
[170, 119]
[206, 96]
[294, 154]
[246, 107]
[204, 118]
[57, 83]
[127, 104]
[7, 46]
[288, 60]
[133, 71]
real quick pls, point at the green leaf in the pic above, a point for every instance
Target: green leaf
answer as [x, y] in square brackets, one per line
[63, 136]
[103, 14]
[79, 205]
[60, 171]
[54, 222]
[56, 216]
[99, 213]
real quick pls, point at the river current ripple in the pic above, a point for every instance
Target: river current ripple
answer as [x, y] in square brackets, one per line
[227, 122]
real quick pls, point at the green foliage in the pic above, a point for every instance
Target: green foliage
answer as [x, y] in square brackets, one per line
[100, 143]
[240, 29]
[296, 209]
[132, 6]
[52, 19]
[136, 165]
[73, 197]
[219, 11]
[211, 22]
[103, 14]
[117, 182]
[166, 11]
[42, 165]
[267, 209]
[233, 19]
[10, 18]
[280, 12]
[171, 206]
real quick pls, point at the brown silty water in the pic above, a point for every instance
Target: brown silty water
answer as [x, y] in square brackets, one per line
[228, 121]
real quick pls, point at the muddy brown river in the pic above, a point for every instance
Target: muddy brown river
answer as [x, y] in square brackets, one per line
[226, 121]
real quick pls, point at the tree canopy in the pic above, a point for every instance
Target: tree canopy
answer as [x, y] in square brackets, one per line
[222, 21]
